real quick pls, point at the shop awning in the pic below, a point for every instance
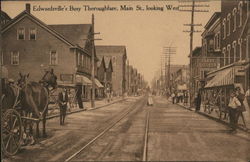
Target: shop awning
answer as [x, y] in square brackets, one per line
[80, 79]
[222, 78]
[98, 84]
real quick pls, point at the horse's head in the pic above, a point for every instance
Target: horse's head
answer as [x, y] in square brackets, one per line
[50, 78]
[23, 80]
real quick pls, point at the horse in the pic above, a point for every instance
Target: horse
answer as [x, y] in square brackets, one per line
[34, 96]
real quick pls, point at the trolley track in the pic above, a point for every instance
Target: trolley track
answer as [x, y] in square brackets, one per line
[114, 122]
[145, 147]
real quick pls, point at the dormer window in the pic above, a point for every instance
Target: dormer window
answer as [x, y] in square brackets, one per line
[20, 34]
[32, 34]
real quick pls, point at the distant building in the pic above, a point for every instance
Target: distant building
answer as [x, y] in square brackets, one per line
[104, 73]
[118, 55]
[4, 17]
[30, 45]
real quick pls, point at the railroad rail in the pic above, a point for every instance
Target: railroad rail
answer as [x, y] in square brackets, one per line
[116, 121]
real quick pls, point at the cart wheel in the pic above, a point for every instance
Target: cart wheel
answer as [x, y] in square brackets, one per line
[11, 132]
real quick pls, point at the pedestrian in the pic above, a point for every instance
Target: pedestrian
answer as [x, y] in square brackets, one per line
[79, 97]
[108, 94]
[242, 108]
[173, 97]
[247, 96]
[185, 96]
[233, 107]
[197, 101]
[63, 101]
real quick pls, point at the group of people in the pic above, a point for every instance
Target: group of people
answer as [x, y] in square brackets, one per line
[180, 97]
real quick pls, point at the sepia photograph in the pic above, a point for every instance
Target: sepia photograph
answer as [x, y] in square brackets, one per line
[125, 80]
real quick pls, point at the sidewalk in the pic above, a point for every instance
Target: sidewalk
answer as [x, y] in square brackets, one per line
[54, 110]
[214, 115]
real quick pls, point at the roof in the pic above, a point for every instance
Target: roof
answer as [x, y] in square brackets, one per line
[100, 61]
[213, 18]
[75, 33]
[196, 51]
[109, 49]
[107, 61]
[5, 15]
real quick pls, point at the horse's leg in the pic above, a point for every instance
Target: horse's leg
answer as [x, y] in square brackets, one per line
[37, 129]
[44, 123]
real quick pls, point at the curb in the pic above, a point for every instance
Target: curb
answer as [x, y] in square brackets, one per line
[72, 112]
[216, 119]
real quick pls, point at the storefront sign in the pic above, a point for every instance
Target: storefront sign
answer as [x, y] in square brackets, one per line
[208, 63]
[66, 78]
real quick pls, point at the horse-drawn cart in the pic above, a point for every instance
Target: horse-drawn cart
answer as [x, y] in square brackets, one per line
[18, 115]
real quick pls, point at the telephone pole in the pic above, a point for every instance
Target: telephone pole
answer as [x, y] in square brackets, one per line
[93, 61]
[168, 52]
[194, 8]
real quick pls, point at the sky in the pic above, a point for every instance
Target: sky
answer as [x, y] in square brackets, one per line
[144, 33]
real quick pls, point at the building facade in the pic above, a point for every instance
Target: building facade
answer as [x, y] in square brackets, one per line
[35, 46]
[118, 55]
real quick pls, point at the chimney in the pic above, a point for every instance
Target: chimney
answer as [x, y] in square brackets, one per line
[28, 7]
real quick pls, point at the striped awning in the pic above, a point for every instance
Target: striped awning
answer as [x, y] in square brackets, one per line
[98, 83]
[222, 78]
[80, 79]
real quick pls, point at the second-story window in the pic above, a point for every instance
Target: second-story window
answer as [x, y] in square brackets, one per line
[229, 23]
[234, 51]
[234, 19]
[82, 60]
[53, 57]
[32, 34]
[224, 29]
[240, 13]
[224, 55]
[210, 45]
[240, 48]
[20, 34]
[219, 35]
[15, 58]
[229, 53]
[78, 59]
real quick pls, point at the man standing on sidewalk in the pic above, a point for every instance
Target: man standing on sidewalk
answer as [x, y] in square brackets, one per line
[173, 97]
[242, 108]
[63, 101]
[233, 106]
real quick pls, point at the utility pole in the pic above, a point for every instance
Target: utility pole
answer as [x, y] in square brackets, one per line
[192, 31]
[93, 62]
[168, 52]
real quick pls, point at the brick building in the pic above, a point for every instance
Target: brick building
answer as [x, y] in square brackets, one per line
[234, 46]
[36, 45]
[118, 55]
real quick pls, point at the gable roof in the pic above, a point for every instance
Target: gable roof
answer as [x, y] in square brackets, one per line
[4, 15]
[76, 33]
[109, 49]
[24, 14]
[100, 61]
[107, 61]
[73, 35]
